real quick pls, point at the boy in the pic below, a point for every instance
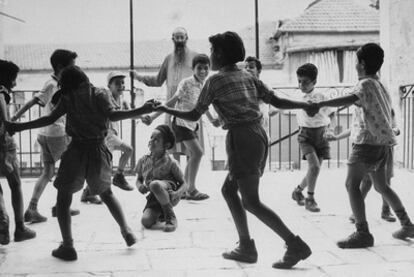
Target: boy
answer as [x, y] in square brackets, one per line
[162, 177]
[373, 139]
[366, 183]
[254, 67]
[52, 139]
[88, 111]
[116, 85]
[8, 161]
[186, 131]
[234, 94]
[312, 140]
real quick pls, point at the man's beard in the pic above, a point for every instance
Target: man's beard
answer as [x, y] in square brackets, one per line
[179, 52]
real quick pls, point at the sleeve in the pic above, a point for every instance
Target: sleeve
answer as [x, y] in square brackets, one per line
[159, 79]
[45, 94]
[206, 97]
[263, 91]
[181, 89]
[360, 92]
[103, 102]
[176, 172]
[60, 107]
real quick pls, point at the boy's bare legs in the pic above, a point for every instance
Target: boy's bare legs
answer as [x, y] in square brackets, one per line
[116, 210]
[309, 181]
[361, 238]
[22, 232]
[4, 221]
[160, 191]
[119, 178]
[195, 154]
[150, 217]
[380, 180]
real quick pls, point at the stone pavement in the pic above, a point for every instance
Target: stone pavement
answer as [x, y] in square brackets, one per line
[205, 229]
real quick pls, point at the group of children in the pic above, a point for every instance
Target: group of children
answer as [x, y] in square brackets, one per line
[237, 96]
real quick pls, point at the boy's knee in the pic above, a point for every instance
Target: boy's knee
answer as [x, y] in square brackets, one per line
[147, 222]
[155, 186]
[250, 204]
[227, 190]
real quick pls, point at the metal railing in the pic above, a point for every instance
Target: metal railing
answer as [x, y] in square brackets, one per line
[407, 110]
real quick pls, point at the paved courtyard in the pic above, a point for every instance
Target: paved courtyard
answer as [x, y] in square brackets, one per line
[205, 230]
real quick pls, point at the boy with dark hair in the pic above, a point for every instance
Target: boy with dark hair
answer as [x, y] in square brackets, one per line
[52, 139]
[234, 94]
[186, 131]
[8, 161]
[254, 67]
[312, 136]
[373, 140]
[88, 111]
[160, 175]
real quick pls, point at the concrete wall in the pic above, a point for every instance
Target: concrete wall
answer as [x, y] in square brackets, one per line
[397, 39]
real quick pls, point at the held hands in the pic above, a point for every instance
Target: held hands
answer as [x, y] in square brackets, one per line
[151, 105]
[143, 189]
[312, 108]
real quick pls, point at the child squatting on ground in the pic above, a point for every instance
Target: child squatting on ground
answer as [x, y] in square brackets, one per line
[235, 95]
[52, 139]
[186, 131]
[160, 175]
[8, 161]
[373, 140]
[88, 110]
[312, 135]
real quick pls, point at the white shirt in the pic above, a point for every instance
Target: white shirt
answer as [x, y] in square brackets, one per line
[321, 118]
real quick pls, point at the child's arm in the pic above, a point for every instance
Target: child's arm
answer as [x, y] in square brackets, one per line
[339, 101]
[214, 121]
[59, 111]
[179, 177]
[193, 115]
[142, 188]
[25, 107]
[340, 136]
[121, 115]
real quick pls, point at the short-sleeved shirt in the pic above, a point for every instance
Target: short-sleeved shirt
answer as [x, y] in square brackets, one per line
[44, 96]
[8, 143]
[188, 92]
[87, 112]
[321, 118]
[235, 95]
[116, 103]
[372, 119]
[164, 168]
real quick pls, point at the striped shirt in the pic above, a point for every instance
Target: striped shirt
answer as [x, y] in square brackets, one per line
[235, 95]
[165, 168]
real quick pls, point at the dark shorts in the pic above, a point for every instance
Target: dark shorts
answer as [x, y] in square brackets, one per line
[85, 161]
[152, 202]
[247, 150]
[372, 156]
[313, 140]
[52, 147]
[182, 133]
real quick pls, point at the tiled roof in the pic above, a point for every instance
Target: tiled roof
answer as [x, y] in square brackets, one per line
[147, 54]
[335, 16]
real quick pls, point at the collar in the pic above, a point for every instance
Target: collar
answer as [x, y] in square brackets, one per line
[228, 68]
[197, 80]
[372, 76]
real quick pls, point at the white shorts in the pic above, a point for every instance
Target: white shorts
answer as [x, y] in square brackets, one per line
[113, 142]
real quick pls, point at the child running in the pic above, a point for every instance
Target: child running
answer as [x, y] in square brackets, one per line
[88, 111]
[8, 161]
[312, 136]
[235, 95]
[52, 139]
[160, 175]
[373, 140]
[366, 183]
[185, 131]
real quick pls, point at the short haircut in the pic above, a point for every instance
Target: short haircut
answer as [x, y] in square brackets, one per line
[71, 77]
[62, 57]
[8, 73]
[373, 56]
[256, 60]
[200, 58]
[167, 134]
[308, 70]
[231, 46]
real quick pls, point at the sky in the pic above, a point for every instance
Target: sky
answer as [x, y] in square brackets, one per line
[83, 21]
